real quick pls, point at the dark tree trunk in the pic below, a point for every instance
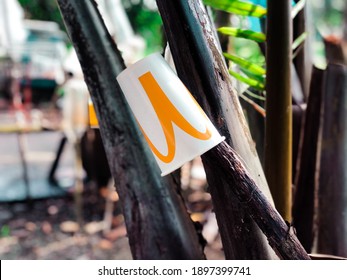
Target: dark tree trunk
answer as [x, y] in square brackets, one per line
[201, 67]
[305, 183]
[238, 232]
[280, 237]
[332, 192]
[157, 223]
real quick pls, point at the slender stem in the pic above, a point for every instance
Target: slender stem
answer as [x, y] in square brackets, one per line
[255, 106]
[278, 131]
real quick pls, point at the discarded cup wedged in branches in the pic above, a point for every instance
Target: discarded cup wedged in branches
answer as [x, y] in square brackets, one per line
[175, 127]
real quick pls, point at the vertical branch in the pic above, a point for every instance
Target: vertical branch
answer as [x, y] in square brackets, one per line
[202, 68]
[157, 223]
[332, 190]
[306, 185]
[278, 130]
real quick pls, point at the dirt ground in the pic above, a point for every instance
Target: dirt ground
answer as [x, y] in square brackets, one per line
[47, 228]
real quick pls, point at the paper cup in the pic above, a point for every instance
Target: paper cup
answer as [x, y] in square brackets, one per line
[175, 127]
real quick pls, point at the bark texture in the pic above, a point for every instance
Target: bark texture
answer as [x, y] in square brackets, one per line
[305, 183]
[157, 223]
[280, 237]
[201, 67]
[332, 190]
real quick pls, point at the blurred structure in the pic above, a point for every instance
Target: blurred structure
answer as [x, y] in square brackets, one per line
[11, 26]
[75, 108]
[131, 45]
[36, 49]
[11, 33]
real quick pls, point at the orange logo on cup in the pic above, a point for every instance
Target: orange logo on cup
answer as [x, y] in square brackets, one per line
[93, 120]
[168, 115]
[175, 127]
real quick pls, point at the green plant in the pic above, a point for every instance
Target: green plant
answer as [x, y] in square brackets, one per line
[248, 57]
[237, 7]
[5, 231]
[42, 10]
[147, 22]
[271, 80]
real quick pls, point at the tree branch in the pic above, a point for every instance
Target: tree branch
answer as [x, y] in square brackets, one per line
[279, 235]
[157, 223]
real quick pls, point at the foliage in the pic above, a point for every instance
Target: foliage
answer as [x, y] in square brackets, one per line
[249, 56]
[243, 33]
[146, 21]
[251, 67]
[42, 10]
[237, 7]
[144, 18]
[249, 81]
[299, 41]
[298, 7]
[5, 231]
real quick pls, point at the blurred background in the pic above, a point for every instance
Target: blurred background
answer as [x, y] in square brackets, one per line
[57, 198]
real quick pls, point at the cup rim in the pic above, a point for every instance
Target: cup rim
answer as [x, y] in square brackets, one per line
[180, 163]
[138, 63]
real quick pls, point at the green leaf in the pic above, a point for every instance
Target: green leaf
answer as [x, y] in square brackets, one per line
[251, 67]
[298, 41]
[5, 231]
[253, 83]
[298, 7]
[259, 78]
[237, 7]
[243, 33]
[256, 96]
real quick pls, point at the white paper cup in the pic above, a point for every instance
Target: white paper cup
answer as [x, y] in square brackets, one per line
[175, 127]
